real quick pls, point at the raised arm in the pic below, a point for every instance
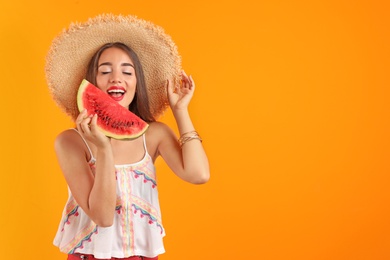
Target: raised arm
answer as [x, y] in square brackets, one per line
[94, 193]
[186, 157]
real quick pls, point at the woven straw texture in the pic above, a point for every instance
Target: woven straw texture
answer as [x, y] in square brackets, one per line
[70, 52]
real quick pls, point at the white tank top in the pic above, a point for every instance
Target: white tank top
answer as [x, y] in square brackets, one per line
[137, 228]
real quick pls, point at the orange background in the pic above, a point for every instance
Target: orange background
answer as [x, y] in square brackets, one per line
[292, 104]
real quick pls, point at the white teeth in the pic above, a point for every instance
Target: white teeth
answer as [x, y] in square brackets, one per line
[120, 91]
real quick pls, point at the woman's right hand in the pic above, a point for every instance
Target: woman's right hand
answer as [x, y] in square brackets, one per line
[94, 191]
[87, 126]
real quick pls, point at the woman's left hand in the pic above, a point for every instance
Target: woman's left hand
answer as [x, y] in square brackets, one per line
[180, 97]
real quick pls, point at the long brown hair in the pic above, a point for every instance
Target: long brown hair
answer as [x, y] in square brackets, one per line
[140, 103]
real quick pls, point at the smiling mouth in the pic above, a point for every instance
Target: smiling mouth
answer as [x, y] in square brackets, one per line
[116, 93]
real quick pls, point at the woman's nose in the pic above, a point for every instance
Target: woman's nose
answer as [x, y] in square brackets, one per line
[116, 77]
[115, 80]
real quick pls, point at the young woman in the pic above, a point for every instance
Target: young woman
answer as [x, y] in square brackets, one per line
[113, 210]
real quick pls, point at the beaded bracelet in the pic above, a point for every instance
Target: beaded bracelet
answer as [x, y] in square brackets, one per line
[186, 137]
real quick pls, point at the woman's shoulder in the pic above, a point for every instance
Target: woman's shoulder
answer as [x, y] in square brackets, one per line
[158, 129]
[157, 134]
[67, 135]
[67, 139]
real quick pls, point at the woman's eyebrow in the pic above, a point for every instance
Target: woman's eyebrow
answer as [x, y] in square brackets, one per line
[127, 64]
[105, 63]
[110, 64]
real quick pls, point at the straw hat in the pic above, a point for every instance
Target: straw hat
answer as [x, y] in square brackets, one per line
[68, 57]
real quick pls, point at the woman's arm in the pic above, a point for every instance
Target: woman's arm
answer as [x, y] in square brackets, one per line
[188, 160]
[95, 194]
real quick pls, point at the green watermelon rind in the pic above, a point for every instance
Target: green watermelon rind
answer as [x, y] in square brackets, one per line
[80, 104]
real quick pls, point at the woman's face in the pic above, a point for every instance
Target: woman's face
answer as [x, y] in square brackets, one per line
[116, 75]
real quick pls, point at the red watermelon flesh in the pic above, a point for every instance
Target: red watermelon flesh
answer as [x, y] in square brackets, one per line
[113, 120]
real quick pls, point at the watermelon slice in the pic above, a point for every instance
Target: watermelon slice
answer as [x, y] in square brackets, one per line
[113, 119]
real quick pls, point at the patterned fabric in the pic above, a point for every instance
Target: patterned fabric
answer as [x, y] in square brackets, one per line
[137, 228]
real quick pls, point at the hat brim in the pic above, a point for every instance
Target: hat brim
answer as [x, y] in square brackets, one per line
[71, 51]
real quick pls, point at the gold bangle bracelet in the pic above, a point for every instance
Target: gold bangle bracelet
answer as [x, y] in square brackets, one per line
[190, 132]
[184, 139]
